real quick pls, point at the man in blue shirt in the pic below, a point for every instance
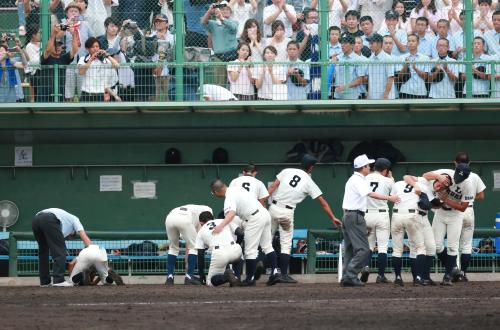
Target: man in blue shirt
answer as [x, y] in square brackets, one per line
[380, 75]
[348, 78]
[50, 227]
[415, 72]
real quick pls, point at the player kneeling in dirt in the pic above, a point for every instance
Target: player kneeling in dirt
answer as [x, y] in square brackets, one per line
[224, 249]
[91, 266]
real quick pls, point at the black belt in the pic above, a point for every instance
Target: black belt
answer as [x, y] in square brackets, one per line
[286, 206]
[183, 209]
[217, 246]
[256, 211]
[379, 210]
[470, 206]
[355, 211]
[422, 213]
[446, 208]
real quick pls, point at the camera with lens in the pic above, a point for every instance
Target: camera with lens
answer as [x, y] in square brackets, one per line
[6, 37]
[101, 55]
[63, 27]
[131, 25]
[219, 6]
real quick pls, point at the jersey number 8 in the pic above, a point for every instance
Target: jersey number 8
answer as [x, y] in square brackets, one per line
[295, 181]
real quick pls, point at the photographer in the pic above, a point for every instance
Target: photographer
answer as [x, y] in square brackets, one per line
[53, 54]
[8, 79]
[165, 41]
[223, 30]
[97, 69]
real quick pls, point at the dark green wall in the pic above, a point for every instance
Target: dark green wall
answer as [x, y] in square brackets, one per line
[76, 189]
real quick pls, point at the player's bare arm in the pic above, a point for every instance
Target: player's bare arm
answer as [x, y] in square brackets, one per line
[479, 196]
[443, 179]
[274, 186]
[460, 206]
[83, 236]
[376, 195]
[229, 217]
[326, 207]
[412, 181]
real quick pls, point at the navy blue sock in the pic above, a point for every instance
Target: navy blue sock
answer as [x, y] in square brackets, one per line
[443, 256]
[397, 263]
[420, 266]
[412, 267]
[452, 263]
[429, 261]
[251, 266]
[369, 259]
[219, 280]
[464, 262]
[382, 263]
[237, 268]
[171, 260]
[192, 261]
[284, 262]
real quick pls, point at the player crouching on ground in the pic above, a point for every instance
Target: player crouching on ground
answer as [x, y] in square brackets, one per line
[91, 266]
[224, 251]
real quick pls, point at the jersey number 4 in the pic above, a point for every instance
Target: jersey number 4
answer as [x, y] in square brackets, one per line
[295, 181]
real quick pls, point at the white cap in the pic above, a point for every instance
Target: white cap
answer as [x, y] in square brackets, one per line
[362, 160]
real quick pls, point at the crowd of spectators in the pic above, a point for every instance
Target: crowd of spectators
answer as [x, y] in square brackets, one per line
[123, 50]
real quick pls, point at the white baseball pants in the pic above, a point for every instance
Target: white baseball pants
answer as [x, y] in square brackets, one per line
[379, 229]
[179, 223]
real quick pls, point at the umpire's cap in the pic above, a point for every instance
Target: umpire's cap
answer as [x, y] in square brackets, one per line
[462, 172]
[382, 164]
[308, 161]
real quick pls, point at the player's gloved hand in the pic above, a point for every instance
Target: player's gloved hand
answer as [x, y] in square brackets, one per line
[285, 223]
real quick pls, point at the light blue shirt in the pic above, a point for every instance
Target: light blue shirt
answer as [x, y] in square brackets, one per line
[378, 75]
[496, 87]
[459, 42]
[335, 49]
[298, 92]
[69, 222]
[451, 42]
[492, 39]
[400, 35]
[480, 86]
[425, 45]
[85, 33]
[344, 74]
[445, 89]
[415, 85]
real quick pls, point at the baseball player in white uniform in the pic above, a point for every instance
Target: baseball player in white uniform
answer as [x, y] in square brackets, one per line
[448, 219]
[377, 217]
[240, 202]
[291, 186]
[224, 251]
[92, 258]
[183, 220]
[465, 246]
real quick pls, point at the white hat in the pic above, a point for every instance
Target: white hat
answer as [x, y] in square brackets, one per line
[362, 160]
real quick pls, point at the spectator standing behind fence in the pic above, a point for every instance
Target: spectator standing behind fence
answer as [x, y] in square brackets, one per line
[196, 34]
[459, 38]
[51, 227]
[349, 78]
[223, 31]
[97, 68]
[492, 37]
[279, 10]
[337, 9]
[352, 24]
[165, 50]
[297, 74]
[452, 14]
[483, 16]
[427, 9]
[443, 27]
[31, 11]
[53, 54]
[8, 80]
[252, 35]
[279, 41]
[32, 49]
[138, 11]
[480, 71]
[366, 25]
[398, 35]
[242, 11]
[111, 37]
[425, 38]
[240, 76]
[307, 33]
[380, 76]
[269, 75]
[414, 74]
[334, 48]
[399, 7]
[443, 75]
[375, 9]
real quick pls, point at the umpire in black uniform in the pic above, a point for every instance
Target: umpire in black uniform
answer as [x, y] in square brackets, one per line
[356, 248]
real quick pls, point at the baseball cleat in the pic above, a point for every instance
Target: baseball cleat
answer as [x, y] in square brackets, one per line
[46, 285]
[169, 281]
[191, 281]
[399, 281]
[62, 284]
[455, 275]
[114, 277]
[273, 279]
[446, 280]
[233, 280]
[285, 278]
[463, 278]
[364, 274]
[382, 279]
[351, 283]
[248, 283]
[419, 282]
[429, 282]
[259, 270]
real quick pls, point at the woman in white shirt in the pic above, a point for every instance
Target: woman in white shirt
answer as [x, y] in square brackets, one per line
[32, 49]
[240, 76]
[98, 71]
[269, 78]
[279, 41]
[252, 36]
[425, 8]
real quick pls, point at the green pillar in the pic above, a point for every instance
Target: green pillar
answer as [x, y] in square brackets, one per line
[179, 49]
[468, 42]
[45, 23]
[323, 28]
[12, 256]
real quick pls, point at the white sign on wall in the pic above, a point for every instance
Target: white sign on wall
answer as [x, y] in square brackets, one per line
[143, 189]
[23, 156]
[110, 183]
[496, 180]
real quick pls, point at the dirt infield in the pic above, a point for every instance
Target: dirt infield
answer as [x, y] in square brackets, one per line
[307, 306]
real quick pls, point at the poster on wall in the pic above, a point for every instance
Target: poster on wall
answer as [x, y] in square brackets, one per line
[110, 183]
[496, 180]
[23, 156]
[144, 189]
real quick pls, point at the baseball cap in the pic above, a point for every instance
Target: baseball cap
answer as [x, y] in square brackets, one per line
[308, 160]
[462, 172]
[391, 14]
[382, 164]
[72, 5]
[376, 38]
[347, 39]
[362, 160]
[161, 17]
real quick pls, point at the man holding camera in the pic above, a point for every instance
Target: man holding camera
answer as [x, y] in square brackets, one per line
[223, 30]
[164, 53]
[298, 74]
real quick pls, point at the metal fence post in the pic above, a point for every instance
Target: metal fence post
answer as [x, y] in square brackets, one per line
[202, 80]
[12, 256]
[179, 49]
[311, 253]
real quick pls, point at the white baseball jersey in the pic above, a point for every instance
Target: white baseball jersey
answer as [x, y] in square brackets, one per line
[406, 192]
[205, 239]
[242, 202]
[477, 185]
[380, 184]
[295, 185]
[92, 256]
[251, 184]
[461, 192]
